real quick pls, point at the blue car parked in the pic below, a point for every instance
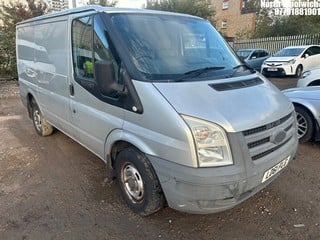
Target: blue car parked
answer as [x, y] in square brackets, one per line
[253, 57]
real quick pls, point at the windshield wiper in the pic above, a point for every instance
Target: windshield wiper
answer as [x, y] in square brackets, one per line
[197, 72]
[242, 65]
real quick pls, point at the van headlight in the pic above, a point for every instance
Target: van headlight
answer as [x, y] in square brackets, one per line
[211, 142]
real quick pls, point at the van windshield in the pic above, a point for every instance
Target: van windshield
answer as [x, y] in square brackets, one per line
[169, 47]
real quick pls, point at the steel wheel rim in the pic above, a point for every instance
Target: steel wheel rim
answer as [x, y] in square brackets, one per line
[132, 183]
[302, 125]
[37, 119]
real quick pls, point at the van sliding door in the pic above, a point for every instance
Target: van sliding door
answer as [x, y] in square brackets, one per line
[47, 66]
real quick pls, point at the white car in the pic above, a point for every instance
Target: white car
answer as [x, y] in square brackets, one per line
[292, 61]
[310, 78]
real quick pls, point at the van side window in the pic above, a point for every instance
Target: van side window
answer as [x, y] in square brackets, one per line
[82, 47]
[101, 46]
[89, 45]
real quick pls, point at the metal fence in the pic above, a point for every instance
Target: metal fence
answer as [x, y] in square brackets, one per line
[274, 44]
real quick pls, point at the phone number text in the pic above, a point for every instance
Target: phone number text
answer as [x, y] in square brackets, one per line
[297, 11]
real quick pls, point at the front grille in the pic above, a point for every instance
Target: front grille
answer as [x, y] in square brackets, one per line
[274, 64]
[262, 140]
[267, 126]
[259, 142]
[267, 152]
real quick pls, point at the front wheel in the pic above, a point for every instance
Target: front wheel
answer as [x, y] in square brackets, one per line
[40, 123]
[138, 183]
[305, 124]
[299, 71]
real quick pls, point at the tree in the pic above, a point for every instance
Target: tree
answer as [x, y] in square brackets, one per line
[200, 8]
[11, 14]
[264, 22]
[269, 25]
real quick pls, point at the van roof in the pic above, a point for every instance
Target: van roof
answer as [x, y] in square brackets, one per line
[98, 8]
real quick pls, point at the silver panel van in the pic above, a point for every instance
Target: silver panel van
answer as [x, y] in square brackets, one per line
[162, 100]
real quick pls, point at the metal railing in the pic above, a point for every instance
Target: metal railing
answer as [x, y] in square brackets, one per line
[274, 44]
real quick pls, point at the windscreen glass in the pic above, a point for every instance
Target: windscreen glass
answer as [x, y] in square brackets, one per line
[243, 53]
[171, 47]
[289, 52]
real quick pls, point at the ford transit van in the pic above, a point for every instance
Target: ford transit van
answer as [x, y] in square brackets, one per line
[162, 99]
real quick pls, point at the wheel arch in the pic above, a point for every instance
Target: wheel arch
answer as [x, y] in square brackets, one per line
[31, 97]
[118, 140]
[30, 100]
[309, 110]
[306, 107]
[315, 82]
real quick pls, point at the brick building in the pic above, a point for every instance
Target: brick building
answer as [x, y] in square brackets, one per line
[233, 18]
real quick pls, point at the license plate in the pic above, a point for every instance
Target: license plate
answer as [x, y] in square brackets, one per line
[275, 169]
[272, 69]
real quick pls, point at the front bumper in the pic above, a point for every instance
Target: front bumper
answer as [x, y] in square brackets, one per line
[210, 190]
[283, 70]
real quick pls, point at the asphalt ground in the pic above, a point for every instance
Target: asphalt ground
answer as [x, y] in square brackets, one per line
[53, 188]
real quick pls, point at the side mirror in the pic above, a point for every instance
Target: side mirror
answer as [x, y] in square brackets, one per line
[306, 55]
[106, 80]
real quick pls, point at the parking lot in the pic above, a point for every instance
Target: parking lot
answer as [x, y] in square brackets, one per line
[53, 188]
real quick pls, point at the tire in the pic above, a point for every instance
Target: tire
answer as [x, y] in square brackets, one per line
[299, 71]
[305, 124]
[40, 123]
[138, 183]
[264, 73]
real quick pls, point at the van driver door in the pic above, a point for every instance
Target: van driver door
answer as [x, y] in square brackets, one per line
[93, 118]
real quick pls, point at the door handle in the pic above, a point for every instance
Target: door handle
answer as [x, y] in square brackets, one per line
[71, 89]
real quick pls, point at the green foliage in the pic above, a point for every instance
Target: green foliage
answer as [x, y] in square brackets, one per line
[269, 25]
[200, 8]
[11, 14]
[263, 23]
[295, 25]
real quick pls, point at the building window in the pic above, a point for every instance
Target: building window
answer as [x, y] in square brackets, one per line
[224, 24]
[225, 4]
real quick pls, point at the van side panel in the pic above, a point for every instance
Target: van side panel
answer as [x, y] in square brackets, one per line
[159, 131]
[43, 64]
[92, 119]
[25, 63]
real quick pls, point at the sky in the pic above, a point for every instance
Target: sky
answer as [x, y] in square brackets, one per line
[131, 3]
[121, 3]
